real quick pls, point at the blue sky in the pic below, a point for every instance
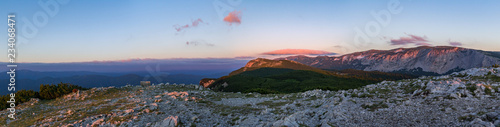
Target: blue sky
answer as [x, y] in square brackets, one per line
[130, 29]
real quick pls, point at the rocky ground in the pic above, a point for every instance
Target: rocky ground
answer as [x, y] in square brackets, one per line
[466, 98]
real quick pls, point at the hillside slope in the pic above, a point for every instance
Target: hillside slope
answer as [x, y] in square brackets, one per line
[279, 80]
[284, 76]
[267, 63]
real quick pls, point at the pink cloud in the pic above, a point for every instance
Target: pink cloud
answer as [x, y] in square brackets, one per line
[195, 23]
[298, 52]
[233, 17]
[455, 43]
[196, 43]
[411, 39]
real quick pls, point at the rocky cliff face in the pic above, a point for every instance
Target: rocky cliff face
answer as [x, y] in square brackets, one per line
[440, 59]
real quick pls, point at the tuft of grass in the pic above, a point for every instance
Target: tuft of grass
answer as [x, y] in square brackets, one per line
[272, 104]
[462, 75]
[495, 66]
[298, 104]
[364, 95]
[411, 88]
[466, 118]
[375, 106]
[471, 87]
[487, 91]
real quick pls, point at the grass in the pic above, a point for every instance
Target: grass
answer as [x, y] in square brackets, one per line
[375, 106]
[466, 118]
[462, 75]
[278, 111]
[411, 88]
[471, 88]
[311, 98]
[490, 77]
[99, 103]
[276, 80]
[272, 104]
[487, 91]
[365, 95]
[298, 104]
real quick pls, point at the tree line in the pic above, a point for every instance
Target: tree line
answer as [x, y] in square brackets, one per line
[47, 92]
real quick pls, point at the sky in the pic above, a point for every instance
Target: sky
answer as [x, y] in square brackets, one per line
[53, 31]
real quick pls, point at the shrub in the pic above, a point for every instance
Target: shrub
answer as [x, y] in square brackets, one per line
[462, 75]
[495, 65]
[53, 91]
[487, 91]
[374, 107]
[260, 90]
[276, 80]
[20, 96]
[46, 92]
[471, 88]
[466, 118]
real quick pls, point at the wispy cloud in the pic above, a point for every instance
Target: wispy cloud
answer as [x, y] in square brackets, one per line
[195, 23]
[196, 43]
[411, 39]
[245, 57]
[455, 43]
[298, 52]
[233, 17]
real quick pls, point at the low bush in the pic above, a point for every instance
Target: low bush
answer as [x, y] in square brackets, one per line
[47, 92]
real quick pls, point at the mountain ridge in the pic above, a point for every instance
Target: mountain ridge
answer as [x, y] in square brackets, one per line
[262, 62]
[438, 59]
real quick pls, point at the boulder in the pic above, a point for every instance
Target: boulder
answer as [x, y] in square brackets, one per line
[97, 122]
[171, 121]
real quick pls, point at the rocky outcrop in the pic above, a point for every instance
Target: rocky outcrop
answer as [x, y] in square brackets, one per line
[439, 60]
[206, 82]
[171, 121]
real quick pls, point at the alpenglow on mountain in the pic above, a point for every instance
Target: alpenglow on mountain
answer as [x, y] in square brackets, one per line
[423, 60]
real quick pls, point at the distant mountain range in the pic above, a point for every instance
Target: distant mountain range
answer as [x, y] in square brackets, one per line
[31, 80]
[199, 66]
[423, 60]
[367, 66]
[29, 76]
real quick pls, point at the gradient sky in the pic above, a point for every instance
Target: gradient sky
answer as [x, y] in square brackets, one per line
[129, 29]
